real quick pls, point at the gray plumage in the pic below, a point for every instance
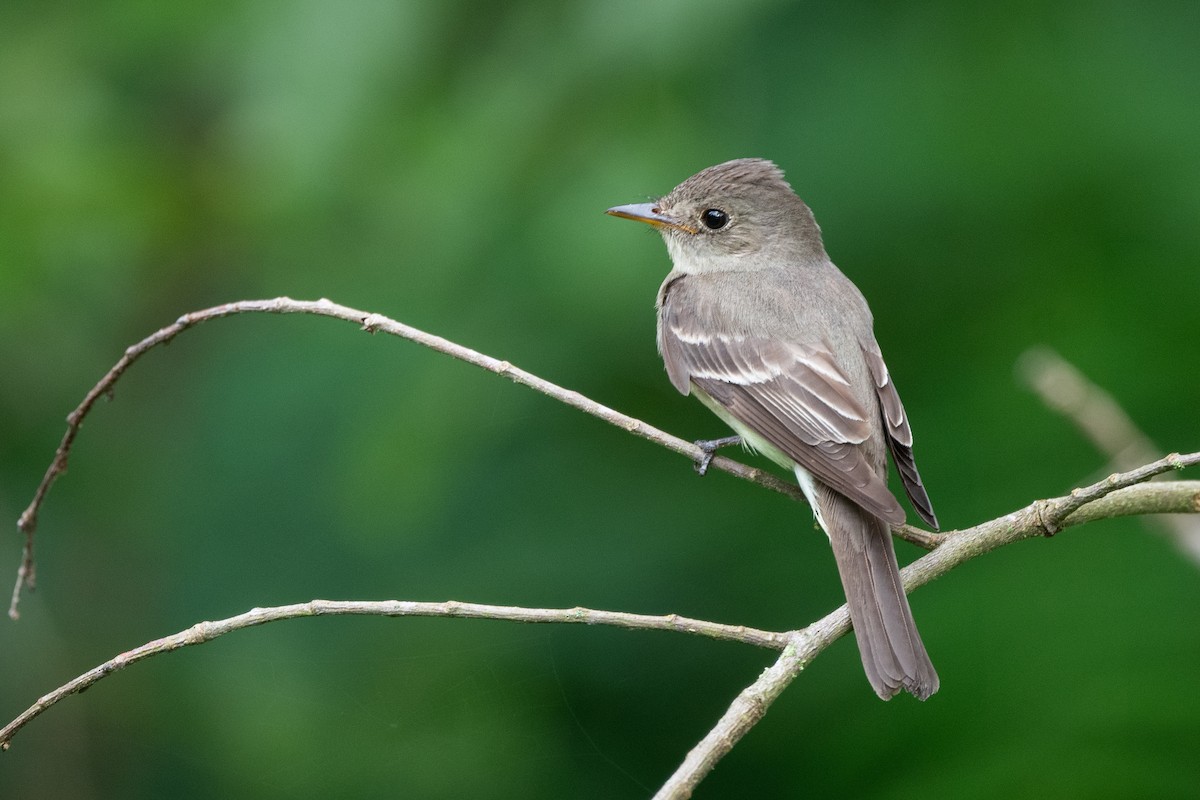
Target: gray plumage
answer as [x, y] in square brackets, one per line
[758, 323]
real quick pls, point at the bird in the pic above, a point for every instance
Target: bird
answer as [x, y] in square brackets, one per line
[756, 321]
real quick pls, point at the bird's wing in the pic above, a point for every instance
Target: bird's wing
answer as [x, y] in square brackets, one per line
[795, 397]
[900, 437]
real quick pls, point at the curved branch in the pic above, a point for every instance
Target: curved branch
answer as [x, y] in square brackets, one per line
[203, 632]
[369, 322]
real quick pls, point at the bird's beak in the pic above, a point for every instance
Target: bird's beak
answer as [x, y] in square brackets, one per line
[651, 214]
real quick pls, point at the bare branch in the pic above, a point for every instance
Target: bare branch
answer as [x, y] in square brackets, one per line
[1159, 497]
[752, 703]
[956, 547]
[203, 632]
[370, 323]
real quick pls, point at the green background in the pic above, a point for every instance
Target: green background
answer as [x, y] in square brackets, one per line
[992, 177]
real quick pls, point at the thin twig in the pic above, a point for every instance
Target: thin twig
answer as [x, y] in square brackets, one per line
[1054, 512]
[1156, 499]
[371, 323]
[203, 632]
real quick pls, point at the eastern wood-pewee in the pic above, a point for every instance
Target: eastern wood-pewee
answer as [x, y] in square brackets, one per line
[758, 323]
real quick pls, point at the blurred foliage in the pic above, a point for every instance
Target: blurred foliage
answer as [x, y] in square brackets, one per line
[992, 176]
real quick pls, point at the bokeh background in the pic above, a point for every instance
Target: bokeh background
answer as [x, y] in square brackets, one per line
[993, 177]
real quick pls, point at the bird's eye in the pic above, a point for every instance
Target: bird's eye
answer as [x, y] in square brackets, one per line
[714, 219]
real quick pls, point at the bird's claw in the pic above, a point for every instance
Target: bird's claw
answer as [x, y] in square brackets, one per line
[710, 448]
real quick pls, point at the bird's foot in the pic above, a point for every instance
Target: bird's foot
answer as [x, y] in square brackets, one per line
[710, 448]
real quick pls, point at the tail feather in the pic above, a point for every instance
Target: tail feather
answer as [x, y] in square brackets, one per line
[893, 655]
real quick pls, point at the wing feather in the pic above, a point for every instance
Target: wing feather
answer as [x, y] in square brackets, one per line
[900, 438]
[793, 396]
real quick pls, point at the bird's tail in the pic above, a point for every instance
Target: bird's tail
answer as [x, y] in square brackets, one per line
[892, 652]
